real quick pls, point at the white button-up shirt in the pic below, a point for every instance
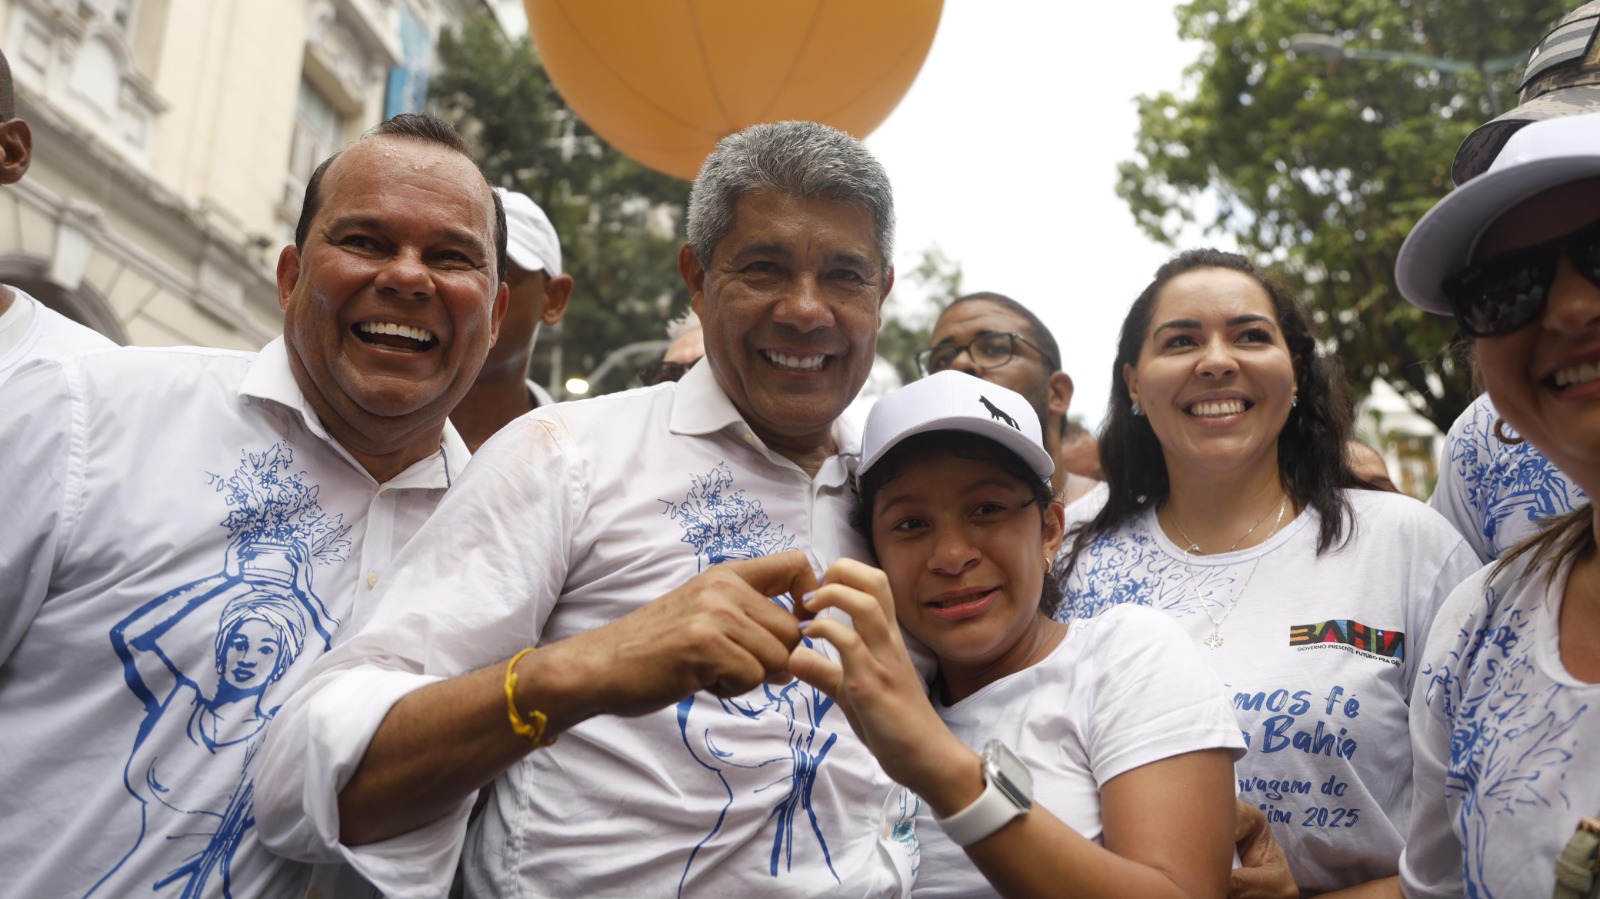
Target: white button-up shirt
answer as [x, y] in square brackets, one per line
[181, 540]
[569, 518]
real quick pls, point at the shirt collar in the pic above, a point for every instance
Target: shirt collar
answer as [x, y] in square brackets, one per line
[270, 378]
[700, 407]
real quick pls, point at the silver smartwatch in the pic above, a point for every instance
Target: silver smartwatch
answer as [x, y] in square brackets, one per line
[1007, 794]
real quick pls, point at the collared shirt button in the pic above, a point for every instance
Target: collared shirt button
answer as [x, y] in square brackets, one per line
[372, 579]
[750, 438]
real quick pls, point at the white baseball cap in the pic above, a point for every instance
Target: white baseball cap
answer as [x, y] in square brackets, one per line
[955, 401]
[1538, 157]
[531, 241]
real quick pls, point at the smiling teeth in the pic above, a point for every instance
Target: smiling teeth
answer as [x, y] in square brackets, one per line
[1225, 407]
[418, 334]
[1577, 374]
[798, 363]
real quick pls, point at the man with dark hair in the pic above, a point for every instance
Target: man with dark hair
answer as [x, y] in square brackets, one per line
[538, 293]
[28, 328]
[188, 529]
[996, 338]
[654, 546]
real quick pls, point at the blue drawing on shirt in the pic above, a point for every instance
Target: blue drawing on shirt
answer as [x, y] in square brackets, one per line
[723, 524]
[204, 658]
[1128, 566]
[1512, 487]
[1509, 744]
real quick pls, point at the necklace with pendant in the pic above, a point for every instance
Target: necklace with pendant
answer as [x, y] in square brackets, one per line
[1214, 639]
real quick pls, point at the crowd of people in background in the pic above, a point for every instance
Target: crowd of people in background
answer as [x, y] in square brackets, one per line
[368, 612]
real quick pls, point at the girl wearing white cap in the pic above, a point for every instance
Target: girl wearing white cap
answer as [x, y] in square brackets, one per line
[1090, 760]
[1506, 713]
[1231, 507]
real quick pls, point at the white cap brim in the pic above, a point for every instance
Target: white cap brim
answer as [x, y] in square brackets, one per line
[955, 401]
[1539, 157]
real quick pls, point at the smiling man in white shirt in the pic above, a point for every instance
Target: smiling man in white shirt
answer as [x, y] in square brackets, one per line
[187, 529]
[635, 539]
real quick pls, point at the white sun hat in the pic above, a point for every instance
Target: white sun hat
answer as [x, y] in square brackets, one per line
[1538, 157]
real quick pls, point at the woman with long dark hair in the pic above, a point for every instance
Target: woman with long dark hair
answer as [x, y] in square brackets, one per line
[1232, 508]
[1506, 713]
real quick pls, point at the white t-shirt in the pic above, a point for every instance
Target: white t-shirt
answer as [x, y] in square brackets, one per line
[567, 519]
[181, 540]
[1122, 690]
[1501, 736]
[32, 330]
[1319, 655]
[1497, 494]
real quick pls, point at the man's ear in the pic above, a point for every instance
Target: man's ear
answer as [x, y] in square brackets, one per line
[888, 285]
[502, 302]
[1060, 393]
[288, 274]
[694, 275]
[16, 150]
[557, 293]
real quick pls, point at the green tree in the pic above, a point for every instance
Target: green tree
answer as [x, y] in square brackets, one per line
[908, 321]
[620, 223]
[1323, 167]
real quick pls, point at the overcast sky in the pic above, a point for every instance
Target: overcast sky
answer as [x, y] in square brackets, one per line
[1004, 155]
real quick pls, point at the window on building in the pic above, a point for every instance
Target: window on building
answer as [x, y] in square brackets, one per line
[318, 132]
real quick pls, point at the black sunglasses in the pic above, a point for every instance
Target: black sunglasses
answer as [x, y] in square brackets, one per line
[1508, 292]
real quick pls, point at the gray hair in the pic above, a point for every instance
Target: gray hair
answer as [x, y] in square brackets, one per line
[801, 159]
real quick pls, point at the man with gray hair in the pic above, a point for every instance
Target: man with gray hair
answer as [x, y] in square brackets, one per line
[689, 761]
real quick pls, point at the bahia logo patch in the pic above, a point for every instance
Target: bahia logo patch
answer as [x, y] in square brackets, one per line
[1350, 636]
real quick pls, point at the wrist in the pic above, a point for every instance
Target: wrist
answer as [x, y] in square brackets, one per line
[956, 782]
[548, 682]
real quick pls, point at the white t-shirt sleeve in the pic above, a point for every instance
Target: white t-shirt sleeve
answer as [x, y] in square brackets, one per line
[1451, 495]
[1154, 696]
[498, 580]
[41, 491]
[1430, 864]
[1458, 565]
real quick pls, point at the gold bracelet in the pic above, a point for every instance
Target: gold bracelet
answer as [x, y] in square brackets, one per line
[533, 733]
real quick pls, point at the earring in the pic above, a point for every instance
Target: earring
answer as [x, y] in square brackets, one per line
[1136, 410]
[1294, 401]
[1500, 434]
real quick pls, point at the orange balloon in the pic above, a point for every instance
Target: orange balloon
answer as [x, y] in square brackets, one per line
[664, 81]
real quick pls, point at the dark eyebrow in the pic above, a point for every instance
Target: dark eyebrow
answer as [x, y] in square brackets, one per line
[998, 482]
[851, 259]
[762, 249]
[367, 223]
[1251, 319]
[1180, 324]
[978, 336]
[1189, 324]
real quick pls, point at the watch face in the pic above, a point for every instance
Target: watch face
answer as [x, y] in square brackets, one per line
[1008, 773]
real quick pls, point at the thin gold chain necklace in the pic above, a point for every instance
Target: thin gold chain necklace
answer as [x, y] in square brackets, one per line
[1194, 547]
[1214, 639]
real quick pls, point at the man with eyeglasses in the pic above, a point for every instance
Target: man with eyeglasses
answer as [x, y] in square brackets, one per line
[998, 339]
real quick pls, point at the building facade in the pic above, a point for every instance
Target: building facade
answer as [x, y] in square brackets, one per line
[172, 141]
